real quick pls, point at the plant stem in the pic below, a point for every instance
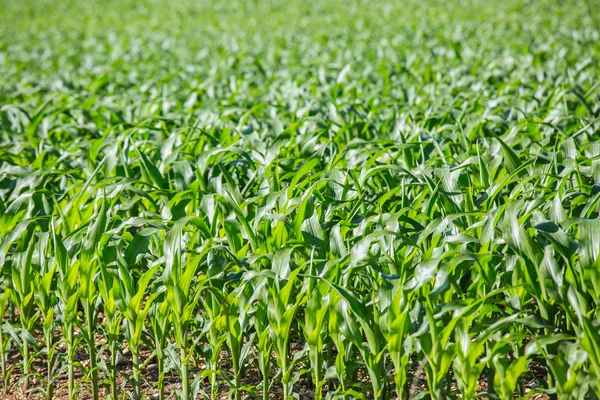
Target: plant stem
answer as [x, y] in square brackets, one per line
[285, 391]
[50, 390]
[185, 384]
[161, 378]
[70, 354]
[214, 359]
[317, 368]
[136, 374]
[113, 367]
[284, 380]
[213, 381]
[238, 392]
[266, 387]
[3, 362]
[375, 382]
[26, 364]
[92, 345]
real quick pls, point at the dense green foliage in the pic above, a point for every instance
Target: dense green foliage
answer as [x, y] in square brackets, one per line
[355, 199]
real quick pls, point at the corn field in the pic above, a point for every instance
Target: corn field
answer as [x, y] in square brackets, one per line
[300, 200]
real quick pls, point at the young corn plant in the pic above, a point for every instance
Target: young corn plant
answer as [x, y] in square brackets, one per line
[45, 300]
[66, 293]
[314, 322]
[160, 326]
[89, 297]
[186, 297]
[467, 365]
[507, 374]
[438, 352]
[110, 290]
[235, 323]
[135, 302]
[264, 344]
[216, 322]
[88, 293]
[349, 309]
[4, 343]
[183, 290]
[395, 325]
[23, 275]
[280, 313]
[341, 342]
